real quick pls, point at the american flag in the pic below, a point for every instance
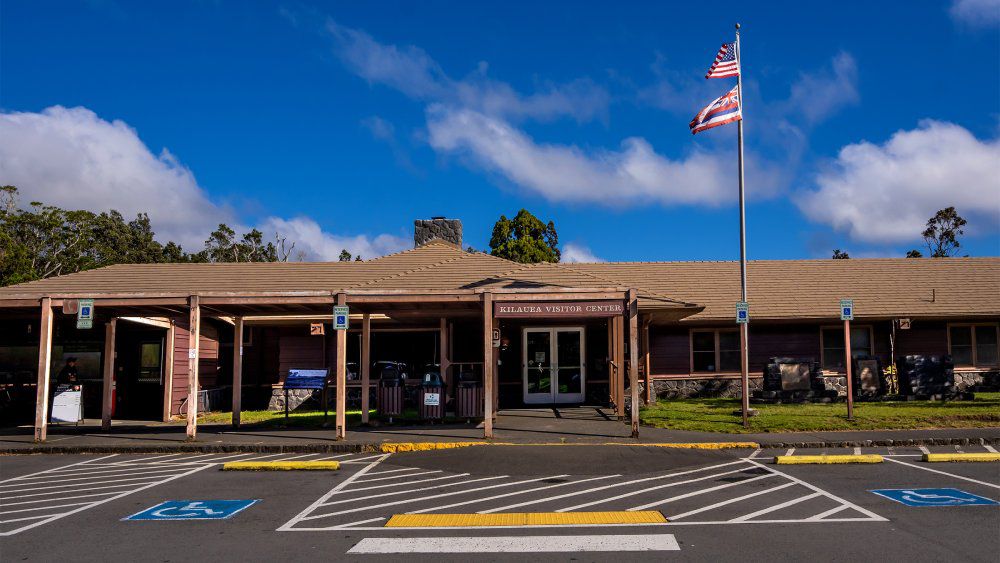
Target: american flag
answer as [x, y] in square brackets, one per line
[725, 64]
[724, 109]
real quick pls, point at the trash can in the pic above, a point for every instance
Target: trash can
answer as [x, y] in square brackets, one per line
[431, 401]
[391, 384]
[469, 395]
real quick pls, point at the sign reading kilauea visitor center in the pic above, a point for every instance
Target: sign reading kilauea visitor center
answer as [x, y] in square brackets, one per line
[558, 309]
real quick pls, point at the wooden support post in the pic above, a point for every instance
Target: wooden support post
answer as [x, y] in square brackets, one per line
[620, 362]
[443, 359]
[237, 371]
[488, 364]
[194, 337]
[611, 364]
[633, 357]
[848, 368]
[647, 365]
[107, 392]
[341, 376]
[168, 371]
[44, 365]
[366, 350]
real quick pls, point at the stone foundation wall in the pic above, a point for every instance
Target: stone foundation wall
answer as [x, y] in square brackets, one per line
[698, 388]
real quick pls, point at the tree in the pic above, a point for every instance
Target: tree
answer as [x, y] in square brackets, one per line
[345, 256]
[914, 254]
[839, 254]
[942, 232]
[222, 246]
[358, 258]
[525, 239]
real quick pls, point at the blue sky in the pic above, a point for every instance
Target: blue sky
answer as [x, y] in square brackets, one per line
[340, 123]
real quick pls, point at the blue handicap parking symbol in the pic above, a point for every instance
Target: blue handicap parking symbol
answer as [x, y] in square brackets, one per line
[193, 510]
[933, 497]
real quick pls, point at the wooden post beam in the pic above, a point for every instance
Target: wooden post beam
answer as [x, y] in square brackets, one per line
[366, 350]
[107, 392]
[341, 376]
[488, 364]
[44, 365]
[194, 337]
[633, 357]
[168, 371]
[237, 370]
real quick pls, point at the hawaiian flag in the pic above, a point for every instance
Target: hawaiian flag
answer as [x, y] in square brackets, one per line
[722, 110]
[726, 64]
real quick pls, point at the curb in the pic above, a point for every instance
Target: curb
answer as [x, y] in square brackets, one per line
[961, 457]
[281, 466]
[826, 459]
[348, 448]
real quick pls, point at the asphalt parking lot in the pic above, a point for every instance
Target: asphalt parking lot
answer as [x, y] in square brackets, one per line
[721, 505]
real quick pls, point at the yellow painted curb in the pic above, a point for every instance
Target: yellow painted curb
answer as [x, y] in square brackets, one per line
[524, 519]
[702, 445]
[826, 459]
[395, 447]
[281, 466]
[391, 448]
[962, 457]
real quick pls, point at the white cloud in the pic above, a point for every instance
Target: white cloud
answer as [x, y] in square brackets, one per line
[567, 173]
[885, 193]
[976, 13]
[318, 244]
[573, 252]
[413, 72]
[72, 158]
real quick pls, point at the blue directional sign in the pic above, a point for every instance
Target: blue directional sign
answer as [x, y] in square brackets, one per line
[193, 510]
[933, 497]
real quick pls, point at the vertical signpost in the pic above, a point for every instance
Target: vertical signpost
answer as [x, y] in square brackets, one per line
[341, 320]
[743, 319]
[847, 315]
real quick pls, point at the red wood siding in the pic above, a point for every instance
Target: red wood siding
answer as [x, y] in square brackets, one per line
[208, 364]
[300, 352]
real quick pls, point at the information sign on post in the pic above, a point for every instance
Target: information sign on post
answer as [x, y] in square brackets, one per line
[742, 312]
[847, 315]
[85, 314]
[341, 317]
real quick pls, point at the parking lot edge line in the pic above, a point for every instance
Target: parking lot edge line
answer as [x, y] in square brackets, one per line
[319, 502]
[969, 479]
[452, 493]
[380, 495]
[504, 495]
[701, 492]
[100, 502]
[648, 489]
[776, 507]
[605, 487]
[729, 501]
[20, 477]
[827, 493]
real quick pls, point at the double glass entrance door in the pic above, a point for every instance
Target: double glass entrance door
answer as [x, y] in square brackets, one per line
[553, 365]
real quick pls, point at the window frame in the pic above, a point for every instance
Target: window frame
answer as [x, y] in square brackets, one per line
[822, 344]
[718, 352]
[974, 328]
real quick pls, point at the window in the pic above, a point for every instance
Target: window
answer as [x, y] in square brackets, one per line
[715, 351]
[150, 362]
[832, 341]
[973, 345]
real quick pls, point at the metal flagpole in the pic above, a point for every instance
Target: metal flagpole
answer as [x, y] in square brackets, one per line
[744, 336]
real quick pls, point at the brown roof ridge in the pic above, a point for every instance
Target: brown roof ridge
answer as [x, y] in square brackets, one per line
[432, 242]
[410, 271]
[794, 260]
[616, 282]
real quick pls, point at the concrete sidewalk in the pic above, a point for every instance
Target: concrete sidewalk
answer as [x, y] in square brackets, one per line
[579, 425]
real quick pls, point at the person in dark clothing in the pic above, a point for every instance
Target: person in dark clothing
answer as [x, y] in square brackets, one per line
[68, 374]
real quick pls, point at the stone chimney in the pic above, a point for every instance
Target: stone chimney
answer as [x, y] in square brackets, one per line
[448, 230]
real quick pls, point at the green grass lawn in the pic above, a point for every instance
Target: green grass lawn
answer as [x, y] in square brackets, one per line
[276, 419]
[716, 415]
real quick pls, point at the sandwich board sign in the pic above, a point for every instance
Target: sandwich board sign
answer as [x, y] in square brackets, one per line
[742, 312]
[85, 314]
[847, 309]
[341, 317]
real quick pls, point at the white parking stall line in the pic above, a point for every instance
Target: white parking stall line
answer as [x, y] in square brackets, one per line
[952, 475]
[923, 449]
[457, 475]
[394, 471]
[857, 450]
[334, 457]
[529, 544]
[401, 476]
[74, 490]
[770, 509]
[830, 512]
[2, 512]
[46, 518]
[364, 459]
[504, 495]
[449, 494]
[755, 453]
[289, 526]
[72, 486]
[55, 469]
[828, 494]
[606, 487]
[6, 504]
[790, 451]
[113, 475]
[731, 501]
[646, 490]
[698, 492]
[990, 448]
[76, 475]
[410, 491]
